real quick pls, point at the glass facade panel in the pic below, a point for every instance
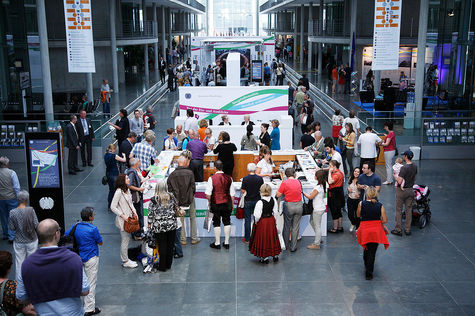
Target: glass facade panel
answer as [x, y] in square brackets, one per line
[233, 17]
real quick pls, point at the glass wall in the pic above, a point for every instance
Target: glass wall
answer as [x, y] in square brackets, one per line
[450, 78]
[232, 17]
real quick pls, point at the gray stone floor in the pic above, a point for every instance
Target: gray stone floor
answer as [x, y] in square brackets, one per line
[431, 272]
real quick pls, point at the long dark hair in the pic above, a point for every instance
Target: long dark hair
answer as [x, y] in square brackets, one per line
[120, 182]
[249, 129]
[321, 179]
[352, 176]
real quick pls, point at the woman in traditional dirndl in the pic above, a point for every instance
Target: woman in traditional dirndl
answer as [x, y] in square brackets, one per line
[264, 242]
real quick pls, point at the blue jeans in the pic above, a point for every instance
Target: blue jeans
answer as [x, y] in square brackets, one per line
[106, 108]
[178, 248]
[248, 210]
[111, 183]
[5, 207]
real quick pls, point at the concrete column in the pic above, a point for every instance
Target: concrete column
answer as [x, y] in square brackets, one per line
[45, 67]
[302, 29]
[145, 61]
[155, 35]
[421, 56]
[144, 15]
[115, 72]
[310, 32]
[90, 95]
[294, 53]
[257, 17]
[377, 82]
[170, 37]
[320, 46]
[354, 7]
[164, 36]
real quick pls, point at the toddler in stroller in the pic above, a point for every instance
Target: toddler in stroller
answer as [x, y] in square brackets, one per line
[421, 213]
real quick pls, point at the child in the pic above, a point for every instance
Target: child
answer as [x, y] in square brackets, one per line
[396, 168]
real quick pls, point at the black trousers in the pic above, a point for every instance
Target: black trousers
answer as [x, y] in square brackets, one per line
[166, 243]
[370, 161]
[170, 84]
[86, 149]
[139, 209]
[162, 76]
[222, 212]
[352, 205]
[196, 165]
[369, 255]
[72, 159]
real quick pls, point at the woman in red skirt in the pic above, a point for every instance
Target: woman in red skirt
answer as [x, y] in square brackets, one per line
[372, 231]
[264, 242]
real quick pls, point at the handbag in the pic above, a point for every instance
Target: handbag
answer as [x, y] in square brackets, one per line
[308, 206]
[131, 225]
[104, 180]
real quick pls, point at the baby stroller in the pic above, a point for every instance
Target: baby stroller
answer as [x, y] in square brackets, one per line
[421, 213]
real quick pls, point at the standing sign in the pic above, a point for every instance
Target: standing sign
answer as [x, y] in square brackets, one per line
[45, 176]
[79, 41]
[256, 71]
[387, 24]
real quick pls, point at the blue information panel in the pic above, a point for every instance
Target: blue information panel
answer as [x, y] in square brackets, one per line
[256, 69]
[44, 165]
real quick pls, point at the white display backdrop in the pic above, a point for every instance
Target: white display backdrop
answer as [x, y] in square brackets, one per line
[387, 25]
[79, 40]
[260, 102]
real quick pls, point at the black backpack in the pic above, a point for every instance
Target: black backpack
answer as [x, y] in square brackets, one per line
[69, 241]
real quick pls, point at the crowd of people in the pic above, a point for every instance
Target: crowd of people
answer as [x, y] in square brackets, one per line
[339, 184]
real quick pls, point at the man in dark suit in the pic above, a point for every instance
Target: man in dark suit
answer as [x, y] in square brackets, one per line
[86, 137]
[171, 76]
[162, 67]
[72, 142]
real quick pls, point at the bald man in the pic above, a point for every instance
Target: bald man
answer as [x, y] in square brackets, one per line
[181, 183]
[52, 278]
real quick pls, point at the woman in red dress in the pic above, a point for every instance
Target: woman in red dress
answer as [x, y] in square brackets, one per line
[372, 231]
[264, 242]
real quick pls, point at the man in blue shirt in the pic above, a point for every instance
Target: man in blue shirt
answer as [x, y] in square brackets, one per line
[368, 179]
[52, 278]
[267, 74]
[88, 238]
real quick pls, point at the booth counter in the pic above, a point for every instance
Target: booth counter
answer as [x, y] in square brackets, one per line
[242, 158]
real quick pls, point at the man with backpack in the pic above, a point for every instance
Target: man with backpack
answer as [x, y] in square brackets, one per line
[87, 238]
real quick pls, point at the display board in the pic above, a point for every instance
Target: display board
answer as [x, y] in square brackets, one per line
[256, 71]
[45, 176]
[262, 103]
[79, 40]
[440, 131]
[387, 25]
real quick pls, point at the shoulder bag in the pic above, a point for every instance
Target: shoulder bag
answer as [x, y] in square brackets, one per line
[69, 241]
[131, 225]
[307, 206]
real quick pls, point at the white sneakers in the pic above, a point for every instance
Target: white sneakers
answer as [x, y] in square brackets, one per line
[130, 264]
[387, 182]
[352, 228]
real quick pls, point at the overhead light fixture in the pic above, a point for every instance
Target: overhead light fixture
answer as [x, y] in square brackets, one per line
[451, 12]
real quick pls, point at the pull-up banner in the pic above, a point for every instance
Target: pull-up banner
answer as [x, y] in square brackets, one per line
[79, 41]
[387, 26]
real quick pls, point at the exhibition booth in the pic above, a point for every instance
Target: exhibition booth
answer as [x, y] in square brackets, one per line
[301, 160]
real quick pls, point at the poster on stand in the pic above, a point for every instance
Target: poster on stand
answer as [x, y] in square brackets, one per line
[261, 103]
[79, 40]
[387, 25]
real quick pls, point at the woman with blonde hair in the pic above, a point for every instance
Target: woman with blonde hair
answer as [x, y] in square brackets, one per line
[202, 130]
[163, 224]
[264, 242]
[275, 135]
[372, 230]
[112, 170]
[209, 140]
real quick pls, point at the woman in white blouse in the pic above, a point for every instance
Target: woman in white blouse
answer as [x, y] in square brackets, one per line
[123, 207]
[264, 166]
[318, 196]
[209, 139]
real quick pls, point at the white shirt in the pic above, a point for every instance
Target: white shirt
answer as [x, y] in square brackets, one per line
[336, 156]
[319, 203]
[191, 123]
[258, 208]
[105, 87]
[368, 145]
[209, 187]
[354, 122]
[266, 168]
[170, 144]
